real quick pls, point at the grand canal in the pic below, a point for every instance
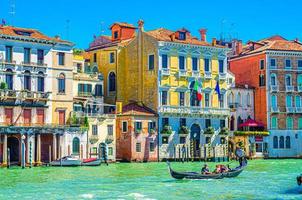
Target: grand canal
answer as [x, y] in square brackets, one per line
[263, 179]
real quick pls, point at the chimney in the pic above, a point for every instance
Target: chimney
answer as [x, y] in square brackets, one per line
[57, 37]
[203, 34]
[172, 36]
[140, 25]
[238, 46]
[214, 42]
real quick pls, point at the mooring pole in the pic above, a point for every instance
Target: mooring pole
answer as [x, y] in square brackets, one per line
[30, 155]
[23, 151]
[8, 158]
[49, 152]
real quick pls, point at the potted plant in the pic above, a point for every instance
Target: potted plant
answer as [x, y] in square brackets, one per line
[209, 131]
[3, 86]
[224, 131]
[183, 130]
[166, 130]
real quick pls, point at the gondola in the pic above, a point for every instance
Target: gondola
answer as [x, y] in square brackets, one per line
[299, 179]
[195, 175]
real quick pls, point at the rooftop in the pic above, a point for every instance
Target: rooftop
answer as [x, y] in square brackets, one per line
[137, 109]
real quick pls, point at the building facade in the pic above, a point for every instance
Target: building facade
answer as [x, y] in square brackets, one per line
[273, 66]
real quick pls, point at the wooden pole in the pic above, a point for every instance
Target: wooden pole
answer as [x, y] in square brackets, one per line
[49, 151]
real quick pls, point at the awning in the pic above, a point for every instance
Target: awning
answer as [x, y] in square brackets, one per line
[251, 123]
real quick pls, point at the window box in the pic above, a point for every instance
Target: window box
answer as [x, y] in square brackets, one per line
[249, 133]
[224, 131]
[289, 88]
[165, 72]
[166, 130]
[209, 131]
[183, 130]
[208, 75]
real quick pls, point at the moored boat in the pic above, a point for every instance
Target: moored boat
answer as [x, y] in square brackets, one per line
[299, 179]
[91, 162]
[67, 161]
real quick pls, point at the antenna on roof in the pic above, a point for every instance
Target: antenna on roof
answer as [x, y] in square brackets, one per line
[67, 29]
[102, 28]
[12, 11]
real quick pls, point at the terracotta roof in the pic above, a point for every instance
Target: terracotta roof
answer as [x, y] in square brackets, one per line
[166, 35]
[105, 41]
[28, 33]
[276, 42]
[123, 24]
[135, 108]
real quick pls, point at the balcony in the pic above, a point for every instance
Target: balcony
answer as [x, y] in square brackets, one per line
[8, 62]
[84, 94]
[299, 88]
[289, 88]
[222, 76]
[208, 75]
[290, 109]
[194, 110]
[4, 94]
[275, 109]
[298, 109]
[28, 94]
[165, 72]
[182, 73]
[42, 95]
[274, 88]
[196, 74]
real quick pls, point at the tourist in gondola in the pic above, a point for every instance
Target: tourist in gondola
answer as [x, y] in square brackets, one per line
[205, 169]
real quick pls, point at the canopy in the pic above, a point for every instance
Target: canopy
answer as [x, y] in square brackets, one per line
[251, 123]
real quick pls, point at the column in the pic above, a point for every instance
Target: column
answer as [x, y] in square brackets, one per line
[54, 147]
[59, 147]
[27, 149]
[4, 161]
[38, 161]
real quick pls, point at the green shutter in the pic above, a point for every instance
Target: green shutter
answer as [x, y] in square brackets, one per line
[300, 123]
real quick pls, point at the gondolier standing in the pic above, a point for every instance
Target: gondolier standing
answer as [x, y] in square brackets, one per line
[240, 154]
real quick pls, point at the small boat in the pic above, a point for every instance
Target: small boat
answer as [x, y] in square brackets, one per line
[67, 161]
[299, 179]
[195, 175]
[91, 162]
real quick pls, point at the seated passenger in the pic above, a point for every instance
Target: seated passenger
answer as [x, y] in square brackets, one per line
[217, 169]
[205, 169]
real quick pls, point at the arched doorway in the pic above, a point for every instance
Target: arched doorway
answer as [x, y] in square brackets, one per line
[14, 149]
[76, 146]
[232, 125]
[195, 138]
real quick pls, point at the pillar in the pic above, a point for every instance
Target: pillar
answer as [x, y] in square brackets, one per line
[54, 147]
[4, 155]
[27, 149]
[59, 147]
[38, 161]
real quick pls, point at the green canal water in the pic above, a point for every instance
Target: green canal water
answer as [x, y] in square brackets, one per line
[263, 179]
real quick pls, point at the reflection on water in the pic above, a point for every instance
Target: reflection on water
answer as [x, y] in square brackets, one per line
[263, 179]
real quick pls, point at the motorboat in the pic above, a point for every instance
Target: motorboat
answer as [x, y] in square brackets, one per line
[66, 161]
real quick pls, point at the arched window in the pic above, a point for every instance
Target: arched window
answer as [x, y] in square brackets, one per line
[61, 83]
[288, 80]
[274, 101]
[273, 79]
[239, 121]
[95, 69]
[111, 80]
[281, 142]
[289, 101]
[287, 142]
[76, 146]
[9, 79]
[275, 142]
[299, 80]
[289, 123]
[298, 101]
[40, 82]
[238, 100]
[248, 99]
[27, 80]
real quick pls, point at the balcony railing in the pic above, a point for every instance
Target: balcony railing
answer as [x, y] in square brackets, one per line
[165, 72]
[196, 74]
[274, 88]
[299, 88]
[193, 110]
[290, 109]
[182, 73]
[8, 93]
[84, 94]
[298, 109]
[42, 95]
[222, 76]
[289, 88]
[28, 94]
[4, 94]
[208, 75]
[275, 109]
[8, 62]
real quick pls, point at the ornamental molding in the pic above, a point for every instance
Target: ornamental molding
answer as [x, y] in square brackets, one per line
[284, 53]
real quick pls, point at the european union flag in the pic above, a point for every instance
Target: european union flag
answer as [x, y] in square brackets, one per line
[217, 88]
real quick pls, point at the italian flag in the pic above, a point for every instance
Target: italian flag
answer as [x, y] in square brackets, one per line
[197, 88]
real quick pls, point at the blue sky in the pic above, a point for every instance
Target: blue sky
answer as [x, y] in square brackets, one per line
[243, 19]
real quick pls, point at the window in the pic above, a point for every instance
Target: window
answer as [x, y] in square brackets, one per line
[222, 123]
[40, 57]
[208, 140]
[164, 98]
[9, 54]
[273, 63]
[76, 146]
[207, 100]
[138, 126]
[273, 79]
[112, 58]
[289, 102]
[138, 147]
[151, 146]
[288, 80]
[194, 64]
[221, 100]
[94, 129]
[274, 101]
[182, 140]
[61, 58]
[79, 67]
[299, 63]
[110, 129]
[287, 142]
[110, 151]
[300, 123]
[98, 90]
[111, 78]
[288, 63]
[238, 100]
[61, 83]
[124, 126]
[26, 55]
[165, 140]
[182, 36]
[221, 66]
[181, 62]
[151, 62]
[274, 123]
[299, 81]
[248, 99]
[165, 122]
[61, 117]
[206, 65]
[84, 89]
[95, 57]
[281, 142]
[115, 34]
[181, 98]
[208, 123]
[164, 61]
[27, 80]
[275, 142]
[289, 123]
[40, 82]
[261, 80]
[151, 126]
[9, 79]
[261, 64]
[298, 101]
[182, 122]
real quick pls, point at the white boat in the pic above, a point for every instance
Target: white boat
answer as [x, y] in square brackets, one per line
[91, 162]
[67, 161]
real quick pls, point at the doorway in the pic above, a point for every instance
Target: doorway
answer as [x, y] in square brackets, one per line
[14, 149]
[195, 138]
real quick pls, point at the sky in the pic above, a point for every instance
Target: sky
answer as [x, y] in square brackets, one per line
[79, 20]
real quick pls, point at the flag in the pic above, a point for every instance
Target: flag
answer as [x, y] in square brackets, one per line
[197, 88]
[217, 89]
[3, 22]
